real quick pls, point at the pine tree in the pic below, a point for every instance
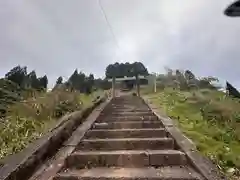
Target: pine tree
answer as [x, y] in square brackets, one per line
[59, 80]
[43, 82]
[17, 75]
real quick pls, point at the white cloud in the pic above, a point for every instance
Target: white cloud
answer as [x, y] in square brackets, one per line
[55, 37]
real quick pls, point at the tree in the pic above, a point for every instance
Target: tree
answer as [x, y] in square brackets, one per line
[232, 90]
[207, 82]
[17, 75]
[33, 80]
[190, 78]
[91, 80]
[111, 71]
[81, 82]
[138, 69]
[102, 84]
[73, 80]
[43, 82]
[121, 70]
[59, 80]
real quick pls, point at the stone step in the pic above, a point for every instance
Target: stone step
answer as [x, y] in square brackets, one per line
[131, 113]
[120, 108]
[109, 117]
[126, 144]
[126, 118]
[163, 173]
[131, 110]
[127, 158]
[128, 125]
[126, 133]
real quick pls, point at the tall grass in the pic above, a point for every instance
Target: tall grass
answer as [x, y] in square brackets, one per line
[30, 119]
[210, 119]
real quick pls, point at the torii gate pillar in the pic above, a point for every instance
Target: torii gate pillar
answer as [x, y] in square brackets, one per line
[113, 87]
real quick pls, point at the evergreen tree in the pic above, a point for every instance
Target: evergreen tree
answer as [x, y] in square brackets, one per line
[127, 69]
[59, 80]
[74, 80]
[232, 90]
[33, 80]
[91, 80]
[43, 82]
[17, 75]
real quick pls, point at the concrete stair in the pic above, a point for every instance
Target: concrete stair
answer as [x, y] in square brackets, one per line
[126, 158]
[164, 173]
[128, 118]
[128, 125]
[126, 133]
[127, 142]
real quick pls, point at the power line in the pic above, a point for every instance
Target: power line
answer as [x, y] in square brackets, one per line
[108, 23]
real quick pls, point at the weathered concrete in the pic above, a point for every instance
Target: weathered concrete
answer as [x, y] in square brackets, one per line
[126, 133]
[164, 173]
[126, 144]
[129, 158]
[127, 118]
[143, 113]
[128, 125]
[144, 149]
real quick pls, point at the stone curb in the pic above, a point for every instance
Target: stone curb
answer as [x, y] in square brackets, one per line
[23, 164]
[48, 169]
[202, 164]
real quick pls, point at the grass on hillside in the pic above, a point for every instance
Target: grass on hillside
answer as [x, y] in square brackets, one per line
[210, 119]
[28, 120]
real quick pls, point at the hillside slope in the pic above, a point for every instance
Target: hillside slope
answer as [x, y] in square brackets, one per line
[210, 119]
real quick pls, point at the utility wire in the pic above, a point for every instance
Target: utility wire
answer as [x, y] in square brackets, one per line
[108, 23]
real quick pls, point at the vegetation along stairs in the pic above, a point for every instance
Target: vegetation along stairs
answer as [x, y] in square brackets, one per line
[127, 141]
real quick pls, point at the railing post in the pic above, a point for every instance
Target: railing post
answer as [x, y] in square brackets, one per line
[155, 84]
[138, 85]
[113, 87]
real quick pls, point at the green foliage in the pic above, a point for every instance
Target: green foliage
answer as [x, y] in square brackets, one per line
[127, 69]
[32, 81]
[209, 118]
[64, 107]
[81, 82]
[18, 85]
[232, 90]
[43, 82]
[28, 120]
[17, 75]
[102, 84]
[185, 80]
[59, 80]
[27, 111]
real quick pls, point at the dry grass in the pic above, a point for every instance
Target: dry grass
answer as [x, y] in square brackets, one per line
[210, 119]
[30, 119]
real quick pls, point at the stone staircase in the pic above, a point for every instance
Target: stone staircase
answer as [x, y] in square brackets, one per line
[127, 142]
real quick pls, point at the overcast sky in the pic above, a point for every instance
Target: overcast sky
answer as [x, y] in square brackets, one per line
[54, 37]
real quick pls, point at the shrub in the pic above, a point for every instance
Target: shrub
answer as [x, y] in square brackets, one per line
[29, 119]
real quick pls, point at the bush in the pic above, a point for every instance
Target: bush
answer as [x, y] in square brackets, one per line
[29, 119]
[64, 107]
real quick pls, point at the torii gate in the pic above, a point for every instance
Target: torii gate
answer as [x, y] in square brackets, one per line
[151, 78]
[233, 10]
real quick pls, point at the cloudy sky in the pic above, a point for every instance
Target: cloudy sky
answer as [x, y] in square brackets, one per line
[57, 36]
